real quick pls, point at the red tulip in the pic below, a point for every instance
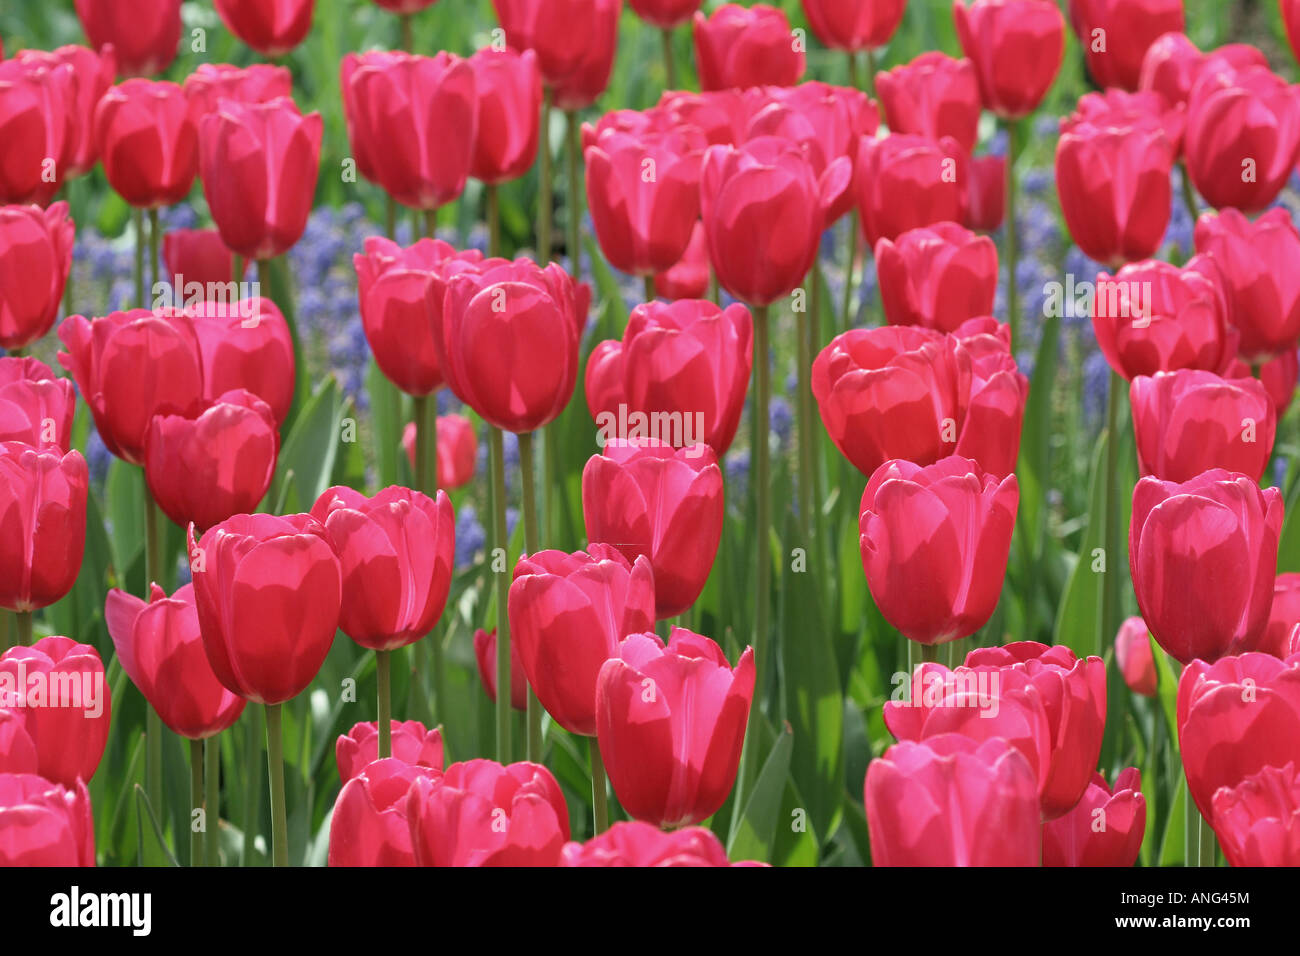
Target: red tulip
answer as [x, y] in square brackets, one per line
[575, 42]
[905, 182]
[1133, 657]
[17, 751]
[933, 96]
[1016, 46]
[1290, 10]
[937, 276]
[210, 83]
[646, 498]
[198, 256]
[144, 35]
[412, 743]
[1155, 317]
[483, 814]
[1283, 616]
[395, 551]
[1169, 67]
[689, 277]
[268, 591]
[952, 801]
[949, 525]
[147, 135]
[986, 201]
[643, 193]
[1243, 136]
[1259, 264]
[1145, 108]
[207, 467]
[369, 826]
[245, 345]
[1189, 421]
[1105, 829]
[1203, 556]
[69, 720]
[1258, 821]
[485, 654]
[38, 125]
[259, 163]
[35, 407]
[689, 361]
[764, 209]
[1113, 183]
[509, 89]
[739, 47]
[42, 524]
[720, 116]
[457, 450]
[568, 615]
[665, 14]
[1279, 375]
[633, 843]
[670, 722]
[44, 823]
[106, 356]
[1236, 717]
[271, 27]
[94, 75]
[35, 259]
[508, 342]
[1115, 35]
[161, 650]
[998, 391]
[854, 25]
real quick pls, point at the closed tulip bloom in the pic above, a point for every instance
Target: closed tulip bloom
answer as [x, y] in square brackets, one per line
[952, 801]
[1258, 821]
[198, 256]
[44, 823]
[1133, 656]
[413, 743]
[148, 138]
[509, 89]
[485, 655]
[1279, 375]
[933, 96]
[575, 42]
[210, 83]
[670, 722]
[646, 498]
[937, 276]
[905, 182]
[689, 277]
[1235, 717]
[483, 814]
[369, 826]
[1113, 183]
[1189, 421]
[1016, 46]
[1203, 556]
[106, 356]
[144, 35]
[690, 359]
[396, 552]
[268, 590]
[245, 345]
[357, 122]
[986, 201]
[94, 75]
[1258, 267]
[765, 208]
[271, 27]
[739, 47]
[568, 615]
[205, 468]
[35, 407]
[854, 25]
[69, 724]
[259, 163]
[38, 125]
[1116, 34]
[1156, 317]
[949, 525]
[17, 751]
[665, 14]
[161, 650]
[1283, 616]
[42, 524]
[509, 341]
[643, 194]
[1104, 829]
[1243, 136]
[457, 450]
[35, 259]
[633, 843]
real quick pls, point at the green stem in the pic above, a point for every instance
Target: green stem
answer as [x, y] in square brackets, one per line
[929, 653]
[275, 764]
[252, 790]
[23, 627]
[804, 404]
[1113, 545]
[871, 73]
[153, 723]
[848, 314]
[431, 223]
[426, 482]
[532, 544]
[500, 539]
[1189, 195]
[155, 239]
[408, 33]
[141, 241]
[574, 152]
[670, 62]
[390, 217]
[1191, 830]
[855, 79]
[196, 802]
[6, 630]
[1208, 855]
[1012, 239]
[545, 184]
[599, 799]
[384, 679]
[212, 799]
[650, 289]
[494, 220]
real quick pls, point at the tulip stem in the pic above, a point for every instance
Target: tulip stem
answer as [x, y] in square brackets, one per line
[1111, 584]
[390, 217]
[153, 723]
[140, 241]
[847, 314]
[855, 80]
[929, 653]
[532, 545]
[493, 219]
[155, 238]
[545, 184]
[431, 223]
[196, 802]
[275, 764]
[871, 72]
[384, 679]
[6, 630]
[212, 799]
[650, 289]
[23, 621]
[575, 195]
[426, 482]
[670, 62]
[501, 542]
[408, 33]
[1189, 196]
[599, 799]
[1209, 848]
[804, 440]
[1013, 239]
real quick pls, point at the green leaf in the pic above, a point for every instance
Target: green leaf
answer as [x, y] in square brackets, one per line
[143, 808]
[307, 458]
[753, 832]
[1079, 617]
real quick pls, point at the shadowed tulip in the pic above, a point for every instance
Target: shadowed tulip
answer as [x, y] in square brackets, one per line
[665, 14]
[198, 256]
[457, 450]
[575, 42]
[1283, 616]
[1104, 829]
[1133, 657]
[509, 91]
[36, 408]
[688, 278]
[986, 200]
[35, 259]
[38, 125]
[42, 524]
[485, 655]
[44, 823]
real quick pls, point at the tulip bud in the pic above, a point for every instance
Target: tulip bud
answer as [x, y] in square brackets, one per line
[665, 14]
[198, 256]
[689, 277]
